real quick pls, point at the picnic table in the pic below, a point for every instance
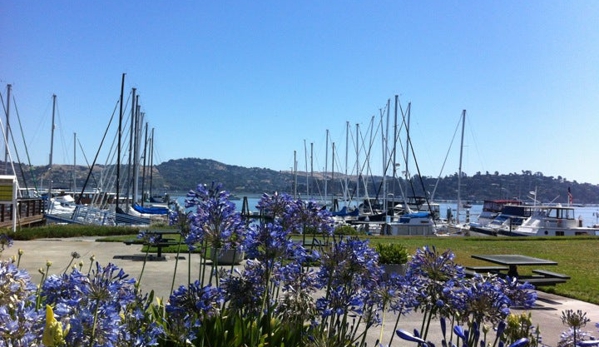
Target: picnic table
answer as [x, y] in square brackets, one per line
[511, 263]
[156, 239]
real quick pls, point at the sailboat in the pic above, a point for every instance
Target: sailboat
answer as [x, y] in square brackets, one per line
[115, 215]
[416, 214]
[130, 209]
[458, 228]
[128, 216]
[62, 207]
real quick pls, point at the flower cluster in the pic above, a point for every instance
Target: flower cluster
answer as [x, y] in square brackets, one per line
[575, 336]
[20, 322]
[102, 308]
[215, 221]
[343, 298]
[474, 306]
[279, 297]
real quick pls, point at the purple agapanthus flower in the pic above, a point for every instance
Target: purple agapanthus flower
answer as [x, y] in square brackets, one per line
[215, 220]
[20, 322]
[349, 275]
[189, 306]
[96, 305]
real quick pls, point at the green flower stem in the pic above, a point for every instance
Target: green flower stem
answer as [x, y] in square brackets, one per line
[384, 311]
[204, 250]
[426, 322]
[396, 324]
[38, 297]
[214, 272]
[233, 262]
[19, 257]
[266, 305]
[68, 266]
[143, 267]
[176, 264]
[327, 296]
[93, 336]
[91, 263]
[362, 335]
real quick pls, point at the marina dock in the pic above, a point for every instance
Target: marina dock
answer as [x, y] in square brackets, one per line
[29, 212]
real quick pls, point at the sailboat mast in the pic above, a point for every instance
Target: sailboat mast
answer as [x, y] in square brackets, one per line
[358, 171]
[151, 161]
[74, 188]
[51, 146]
[118, 155]
[407, 172]
[8, 88]
[333, 171]
[460, 168]
[295, 174]
[128, 182]
[311, 164]
[395, 138]
[306, 168]
[345, 191]
[143, 173]
[385, 156]
[137, 150]
[326, 163]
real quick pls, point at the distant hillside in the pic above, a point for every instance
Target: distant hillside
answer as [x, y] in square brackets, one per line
[185, 174]
[180, 175]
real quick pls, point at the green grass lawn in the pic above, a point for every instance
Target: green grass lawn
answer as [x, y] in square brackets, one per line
[577, 257]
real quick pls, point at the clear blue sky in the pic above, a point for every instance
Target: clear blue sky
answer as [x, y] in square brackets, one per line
[249, 82]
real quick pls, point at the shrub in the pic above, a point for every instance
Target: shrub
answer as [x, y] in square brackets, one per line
[392, 253]
[346, 230]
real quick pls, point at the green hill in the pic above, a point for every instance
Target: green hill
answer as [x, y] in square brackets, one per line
[180, 175]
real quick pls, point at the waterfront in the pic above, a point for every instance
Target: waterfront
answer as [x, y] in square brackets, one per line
[160, 276]
[588, 213]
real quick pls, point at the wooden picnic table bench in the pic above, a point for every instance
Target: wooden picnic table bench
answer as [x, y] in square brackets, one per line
[472, 270]
[542, 280]
[512, 261]
[551, 274]
[487, 268]
[158, 240]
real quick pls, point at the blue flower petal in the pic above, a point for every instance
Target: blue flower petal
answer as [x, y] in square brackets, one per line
[520, 343]
[443, 327]
[458, 330]
[409, 337]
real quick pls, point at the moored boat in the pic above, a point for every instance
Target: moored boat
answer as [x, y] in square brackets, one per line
[551, 221]
[491, 209]
[510, 217]
[416, 223]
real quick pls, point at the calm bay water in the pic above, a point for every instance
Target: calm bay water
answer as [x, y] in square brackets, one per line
[589, 214]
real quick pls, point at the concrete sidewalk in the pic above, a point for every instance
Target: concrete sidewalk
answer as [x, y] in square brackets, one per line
[158, 276]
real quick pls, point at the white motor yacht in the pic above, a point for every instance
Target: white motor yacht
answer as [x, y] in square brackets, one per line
[551, 221]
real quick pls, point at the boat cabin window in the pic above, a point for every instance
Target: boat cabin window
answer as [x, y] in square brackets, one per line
[563, 213]
[559, 213]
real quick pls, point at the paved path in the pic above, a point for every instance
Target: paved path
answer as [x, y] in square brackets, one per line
[158, 275]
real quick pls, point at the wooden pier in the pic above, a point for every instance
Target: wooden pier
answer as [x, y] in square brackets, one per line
[30, 212]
